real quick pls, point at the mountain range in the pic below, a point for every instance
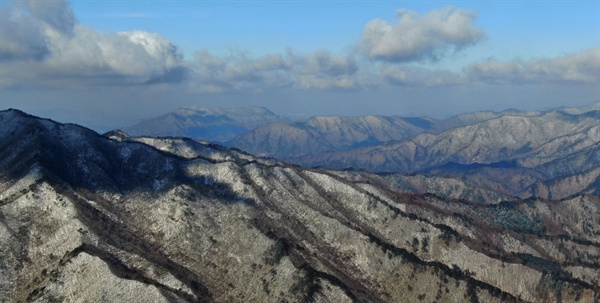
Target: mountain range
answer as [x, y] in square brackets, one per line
[549, 153]
[261, 132]
[212, 124]
[522, 155]
[90, 217]
[337, 133]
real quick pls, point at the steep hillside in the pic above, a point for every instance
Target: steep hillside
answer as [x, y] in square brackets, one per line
[213, 124]
[446, 187]
[573, 174]
[87, 217]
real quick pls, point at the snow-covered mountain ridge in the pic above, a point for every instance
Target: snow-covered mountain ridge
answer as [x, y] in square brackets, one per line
[86, 217]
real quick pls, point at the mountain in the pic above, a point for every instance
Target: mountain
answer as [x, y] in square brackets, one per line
[447, 187]
[476, 117]
[581, 109]
[329, 133]
[512, 154]
[85, 217]
[574, 174]
[536, 140]
[213, 124]
[322, 134]
[261, 132]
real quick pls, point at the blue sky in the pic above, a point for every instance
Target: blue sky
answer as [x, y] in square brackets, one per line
[110, 63]
[516, 28]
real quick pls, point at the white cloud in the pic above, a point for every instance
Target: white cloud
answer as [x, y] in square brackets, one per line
[40, 43]
[56, 14]
[420, 37]
[20, 39]
[323, 70]
[582, 67]
[26, 24]
[239, 71]
[324, 63]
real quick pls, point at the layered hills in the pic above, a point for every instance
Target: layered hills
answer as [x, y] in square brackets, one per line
[213, 124]
[89, 217]
[260, 131]
[329, 133]
[551, 155]
[338, 133]
[531, 140]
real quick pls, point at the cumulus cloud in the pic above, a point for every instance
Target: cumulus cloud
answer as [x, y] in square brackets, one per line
[324, 63]
[56, 14]
[322, 70]
[41, 42]
[23, 25]
[20, 39]
[239, 71]
[416, 37]
[138, 55]
[582, 67]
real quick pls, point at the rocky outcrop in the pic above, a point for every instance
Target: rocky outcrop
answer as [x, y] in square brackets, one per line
[113, 218]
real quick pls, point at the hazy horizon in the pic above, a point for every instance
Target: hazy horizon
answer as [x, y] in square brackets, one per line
[111, 64]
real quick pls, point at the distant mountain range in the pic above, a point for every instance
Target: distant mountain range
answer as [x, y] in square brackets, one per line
[116, 218]
[549, 153]
[329, 133]
[212, 124]
[335, 133]
[261, 132]
[518, 155]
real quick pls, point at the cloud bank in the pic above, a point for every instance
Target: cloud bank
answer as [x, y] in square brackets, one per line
[582, 67]
[42, 44]
[239, 71]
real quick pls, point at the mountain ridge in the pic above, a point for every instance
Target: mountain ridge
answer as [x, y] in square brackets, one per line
[213, 124]
[486, 132]
[322, 134]
[86, 216]
[287, 138]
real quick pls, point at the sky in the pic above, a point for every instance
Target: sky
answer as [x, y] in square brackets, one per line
[109, 64]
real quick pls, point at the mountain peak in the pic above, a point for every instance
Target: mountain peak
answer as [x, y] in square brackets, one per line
[11, 112]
